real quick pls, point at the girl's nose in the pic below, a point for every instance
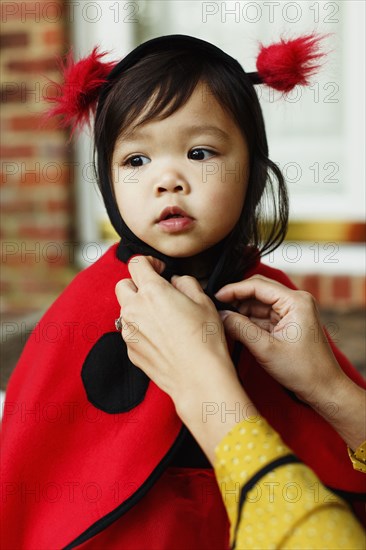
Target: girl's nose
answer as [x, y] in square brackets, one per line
[173, 182]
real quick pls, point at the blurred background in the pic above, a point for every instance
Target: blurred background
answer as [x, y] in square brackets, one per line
[53, 222]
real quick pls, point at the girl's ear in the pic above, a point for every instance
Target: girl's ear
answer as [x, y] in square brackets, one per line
[78, 94]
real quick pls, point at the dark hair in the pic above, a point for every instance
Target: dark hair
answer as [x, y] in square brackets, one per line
[173, 76]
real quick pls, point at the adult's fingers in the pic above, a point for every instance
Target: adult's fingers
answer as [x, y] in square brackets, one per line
[189, 286]
[125, 289]
[258, 287]
[265, 324]
[242, 329]
[129, 332]
[144, 269]
[254, 308]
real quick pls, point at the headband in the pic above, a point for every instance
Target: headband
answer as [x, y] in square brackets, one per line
[282, 66]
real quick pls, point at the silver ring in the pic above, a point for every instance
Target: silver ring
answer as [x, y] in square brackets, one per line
[118, 324]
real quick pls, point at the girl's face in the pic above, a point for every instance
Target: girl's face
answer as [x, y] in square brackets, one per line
[197, 160]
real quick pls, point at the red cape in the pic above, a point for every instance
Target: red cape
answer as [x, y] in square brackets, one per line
[75, 476]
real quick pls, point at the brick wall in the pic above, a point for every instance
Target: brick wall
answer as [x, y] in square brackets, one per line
[341, 292]
[36, 179]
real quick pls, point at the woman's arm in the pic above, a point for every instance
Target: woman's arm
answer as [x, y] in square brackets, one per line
[294, 350]
[272, 499]
[273, 502]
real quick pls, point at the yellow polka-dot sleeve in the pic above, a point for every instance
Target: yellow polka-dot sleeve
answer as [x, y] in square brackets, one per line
[358, 457]
[275, 501]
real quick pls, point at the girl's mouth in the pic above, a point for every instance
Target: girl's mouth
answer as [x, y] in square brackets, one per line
[173, 219]
[176, 223]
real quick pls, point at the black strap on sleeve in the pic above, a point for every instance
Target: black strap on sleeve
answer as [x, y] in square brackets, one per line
[287, 459]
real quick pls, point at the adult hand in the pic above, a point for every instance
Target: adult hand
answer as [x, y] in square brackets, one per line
[172, 347]
[282, 329]
[165, 329]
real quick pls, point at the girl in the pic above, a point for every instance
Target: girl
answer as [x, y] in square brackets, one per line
[94, 452]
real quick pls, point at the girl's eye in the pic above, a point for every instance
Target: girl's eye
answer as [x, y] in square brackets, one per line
[131, 161]
[196, 154]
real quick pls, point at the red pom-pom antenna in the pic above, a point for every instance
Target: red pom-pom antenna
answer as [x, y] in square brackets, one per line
[289, 62]
[78, 94]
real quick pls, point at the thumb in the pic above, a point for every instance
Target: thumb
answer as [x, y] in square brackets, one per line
[242, 329]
